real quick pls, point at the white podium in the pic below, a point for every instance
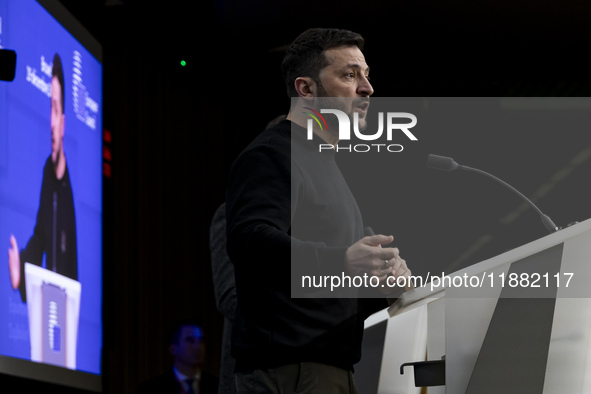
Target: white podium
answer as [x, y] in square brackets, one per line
[517, 323]
[53, 303]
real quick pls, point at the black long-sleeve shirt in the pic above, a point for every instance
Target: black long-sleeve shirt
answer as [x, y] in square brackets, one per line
[288, 202]
[55, 229]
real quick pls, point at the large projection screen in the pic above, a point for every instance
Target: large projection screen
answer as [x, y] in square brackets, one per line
[51, 197]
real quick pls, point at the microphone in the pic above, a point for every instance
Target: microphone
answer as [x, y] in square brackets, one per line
[7, 64]
[448, 164]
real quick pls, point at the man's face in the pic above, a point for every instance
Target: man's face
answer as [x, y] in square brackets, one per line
[347, 75]
[57, 120]
[190, 350]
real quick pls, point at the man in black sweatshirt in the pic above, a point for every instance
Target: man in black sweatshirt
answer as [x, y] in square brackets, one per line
[55, 230]
[290, 213]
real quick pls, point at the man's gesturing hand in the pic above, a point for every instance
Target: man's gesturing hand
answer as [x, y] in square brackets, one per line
[14, 263]
[367, 256]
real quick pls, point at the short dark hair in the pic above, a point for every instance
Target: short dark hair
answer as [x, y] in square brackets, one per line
[58, 72]
[175, 332]
[305, 56]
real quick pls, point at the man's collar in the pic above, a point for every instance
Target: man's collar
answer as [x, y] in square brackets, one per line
[182, 377]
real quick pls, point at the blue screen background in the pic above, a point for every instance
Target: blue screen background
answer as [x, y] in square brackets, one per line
[25, 144]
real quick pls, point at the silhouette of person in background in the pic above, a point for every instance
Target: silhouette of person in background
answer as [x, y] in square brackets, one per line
[186, 376]
[224, 286]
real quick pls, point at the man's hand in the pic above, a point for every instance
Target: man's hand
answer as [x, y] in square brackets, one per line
[367, 256]
[401, 270]
[14, 263]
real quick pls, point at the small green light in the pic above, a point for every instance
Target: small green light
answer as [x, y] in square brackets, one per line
[183, 63]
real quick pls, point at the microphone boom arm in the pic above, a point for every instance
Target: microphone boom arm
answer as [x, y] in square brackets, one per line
[548, 223]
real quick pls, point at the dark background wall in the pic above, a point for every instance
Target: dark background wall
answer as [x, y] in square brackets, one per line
[176, 130]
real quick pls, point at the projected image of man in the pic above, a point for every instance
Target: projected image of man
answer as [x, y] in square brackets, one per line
[55, 230]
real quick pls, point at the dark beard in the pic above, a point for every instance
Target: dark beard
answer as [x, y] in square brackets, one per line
[324, 103]
[321, 91]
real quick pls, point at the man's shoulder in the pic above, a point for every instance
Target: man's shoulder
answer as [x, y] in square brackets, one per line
[163, 383]
[49, 172]
[277, 136]
[48, 167]
[273, 144]
[209, 383]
